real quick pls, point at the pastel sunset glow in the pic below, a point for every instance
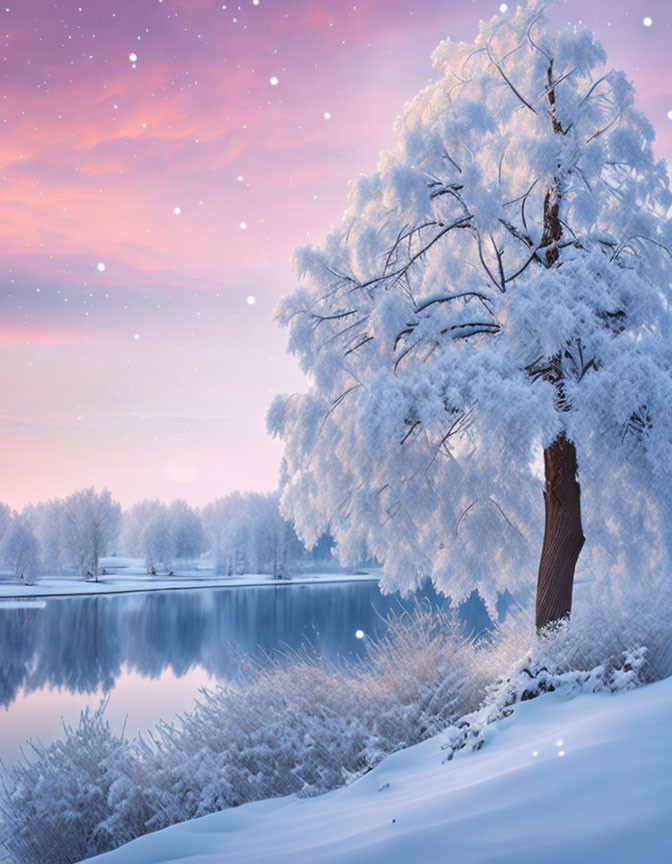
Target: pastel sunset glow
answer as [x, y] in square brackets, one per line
[160, 161]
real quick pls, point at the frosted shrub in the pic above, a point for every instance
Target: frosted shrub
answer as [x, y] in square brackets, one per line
[59, 805]
[300, 725]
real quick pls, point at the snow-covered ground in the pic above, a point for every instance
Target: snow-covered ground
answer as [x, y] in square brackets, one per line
[129, 574]
[587, 779]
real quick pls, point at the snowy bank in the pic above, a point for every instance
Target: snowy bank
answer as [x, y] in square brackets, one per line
[129, 575]
[585, 779]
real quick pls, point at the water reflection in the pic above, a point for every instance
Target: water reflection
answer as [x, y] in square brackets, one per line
[85, 645]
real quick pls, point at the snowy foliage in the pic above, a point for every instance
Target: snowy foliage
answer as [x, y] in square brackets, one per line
[45, 519]
[187, 531]
[163, 534]
[5, 519]
[247, 534]
[302, 726]
[19, 550]
[503, 278]
[89, 523]
[63, 804]
[68, 533]
[244, 533]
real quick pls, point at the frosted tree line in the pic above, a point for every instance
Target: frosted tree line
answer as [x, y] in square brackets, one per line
[239, 533]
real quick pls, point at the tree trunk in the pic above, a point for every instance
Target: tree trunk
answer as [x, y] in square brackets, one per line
[563, 534]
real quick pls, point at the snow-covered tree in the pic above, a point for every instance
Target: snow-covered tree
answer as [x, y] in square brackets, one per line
[5, 519]
[160, 533]
[498, 290]
[247, 534]
[45, 518]
[147, 533]
[157, 541]
[20, 551]
[133, 523]
[90, 523]
[187, 530]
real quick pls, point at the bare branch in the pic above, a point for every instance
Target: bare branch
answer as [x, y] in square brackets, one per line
[476, 328]
[447, 156]
[501, 288]
[508, 81]
[596, 84]
[535, 254]
[448, 297]
[358, 345]
[606, 128]
[639, 237]
[498, 254]
[524, 238]
[533, 43]
[414, 426]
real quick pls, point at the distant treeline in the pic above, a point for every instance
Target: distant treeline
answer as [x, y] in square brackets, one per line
[240, 533]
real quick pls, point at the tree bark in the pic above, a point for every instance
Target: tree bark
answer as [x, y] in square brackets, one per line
[563, 534]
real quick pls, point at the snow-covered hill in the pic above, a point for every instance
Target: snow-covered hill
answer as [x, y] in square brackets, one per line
[583, 779]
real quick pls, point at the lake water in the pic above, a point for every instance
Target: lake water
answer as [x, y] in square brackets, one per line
[149, 653]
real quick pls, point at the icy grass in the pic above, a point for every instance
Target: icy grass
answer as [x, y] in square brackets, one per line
[302, 726]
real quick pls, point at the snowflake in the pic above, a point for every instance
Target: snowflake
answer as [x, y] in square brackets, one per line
[177, 210]
[251, 300]
[100, 266]
[243, 225]
[647, 22]
[274, 81]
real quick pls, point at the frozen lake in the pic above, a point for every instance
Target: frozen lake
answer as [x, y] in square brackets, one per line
[151, 652]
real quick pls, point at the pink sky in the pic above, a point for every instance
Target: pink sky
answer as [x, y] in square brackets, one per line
[153, 376]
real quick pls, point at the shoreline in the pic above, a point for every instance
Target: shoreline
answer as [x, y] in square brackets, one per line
[96, 589]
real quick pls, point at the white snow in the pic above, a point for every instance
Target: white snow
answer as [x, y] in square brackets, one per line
[608, 799]
[130, 575]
